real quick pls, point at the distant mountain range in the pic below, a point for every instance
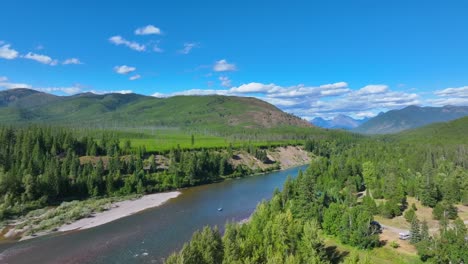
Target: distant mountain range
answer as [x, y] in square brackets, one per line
[410, 117]
[25, 106]
[338, 122]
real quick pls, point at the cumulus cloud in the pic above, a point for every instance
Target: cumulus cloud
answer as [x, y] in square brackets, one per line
[254, 87]
[451, 96]
[373, 89]
[225, 81]
[124, 69]
[118, 40]
[7, 53]
[44, 59]
[188, 48]
[5, 84]
[135, 77]
[148, 30]
[456, 92]
[159, 95]
[200, 92]
[356, 103]
[223, 65]
[109, 92]
[67, 90]
[72, 61]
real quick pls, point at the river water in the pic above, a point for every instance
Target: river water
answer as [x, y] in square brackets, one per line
[151, 235]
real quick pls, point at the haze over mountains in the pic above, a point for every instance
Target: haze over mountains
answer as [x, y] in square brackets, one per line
[23, 106]
[339, 122]
[394, 121]
[410, 117]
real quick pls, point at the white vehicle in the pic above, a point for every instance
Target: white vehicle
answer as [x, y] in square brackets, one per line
[405, 235]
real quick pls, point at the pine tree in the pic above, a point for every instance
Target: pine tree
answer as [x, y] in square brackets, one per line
[410, 214]
[415, 233]
[424, 231]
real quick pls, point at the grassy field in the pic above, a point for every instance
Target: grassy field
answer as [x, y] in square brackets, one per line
[382, 255]
[164, 139]
[171, 139]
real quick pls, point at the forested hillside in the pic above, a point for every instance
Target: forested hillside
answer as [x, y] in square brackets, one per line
[24, 106]
[43, 166]
[452, 132]
[339, 195]
[40, 166]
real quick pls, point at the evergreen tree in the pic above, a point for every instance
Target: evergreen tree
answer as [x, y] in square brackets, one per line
[415, 233]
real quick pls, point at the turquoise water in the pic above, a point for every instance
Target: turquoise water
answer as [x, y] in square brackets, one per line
[151, 235]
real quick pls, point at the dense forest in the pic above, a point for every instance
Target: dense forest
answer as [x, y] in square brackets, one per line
[350, 180]
[42, 166]
[339, 194]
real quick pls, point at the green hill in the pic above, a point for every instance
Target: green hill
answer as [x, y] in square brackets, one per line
[410, 117]
[25, 106]
[455, 131]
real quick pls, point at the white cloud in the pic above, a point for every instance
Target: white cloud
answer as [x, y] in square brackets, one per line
[67, 90]
[337, 85]
[188, 48]
[159, 95]
[44, 59]
[356, 103]
[124, 69]
[225, 81]
[7, 53]
[455, 92]
[118, 40]
[135, 77]
[201, 92]
[109, 92]
[223, 65]
[451, 96]
[9, 85]
[449, 101]
[148, 30]
[72, 61]
[297, 91]
[373, 89]
[255, 88]
[156, 48]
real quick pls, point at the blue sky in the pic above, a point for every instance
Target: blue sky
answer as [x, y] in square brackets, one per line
[310, 58]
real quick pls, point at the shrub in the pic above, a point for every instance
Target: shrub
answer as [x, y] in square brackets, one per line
[394, 244]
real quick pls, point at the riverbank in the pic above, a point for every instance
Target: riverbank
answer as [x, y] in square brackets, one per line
[92, 212]
[119, 210]
[77, 215]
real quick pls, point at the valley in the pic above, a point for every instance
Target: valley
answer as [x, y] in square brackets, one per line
[61, 181]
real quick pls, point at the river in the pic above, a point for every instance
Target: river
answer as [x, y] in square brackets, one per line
[151, 235]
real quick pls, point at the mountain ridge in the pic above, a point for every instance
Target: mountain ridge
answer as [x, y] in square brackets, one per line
[410, 117]
[19, 106]
[338, 122]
